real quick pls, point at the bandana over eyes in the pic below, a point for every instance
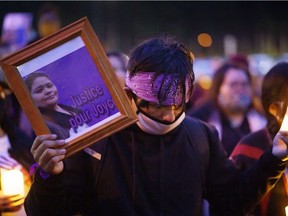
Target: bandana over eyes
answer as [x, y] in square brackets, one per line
[142, 85]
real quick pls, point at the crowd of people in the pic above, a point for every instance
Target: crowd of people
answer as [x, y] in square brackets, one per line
[224, 155]
[149, 168]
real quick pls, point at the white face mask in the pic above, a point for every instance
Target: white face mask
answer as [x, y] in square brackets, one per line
[156, 128]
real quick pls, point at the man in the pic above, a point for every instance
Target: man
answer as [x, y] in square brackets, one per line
[165, 164]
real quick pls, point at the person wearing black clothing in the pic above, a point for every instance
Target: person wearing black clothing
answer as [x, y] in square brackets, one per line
[165, 164]
[251, 147]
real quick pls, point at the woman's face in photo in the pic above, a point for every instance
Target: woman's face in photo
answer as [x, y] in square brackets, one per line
[44, 92]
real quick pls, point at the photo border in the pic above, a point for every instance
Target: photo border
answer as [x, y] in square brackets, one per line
[81, 28]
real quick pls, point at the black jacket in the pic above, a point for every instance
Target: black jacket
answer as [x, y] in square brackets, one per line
[143, 174]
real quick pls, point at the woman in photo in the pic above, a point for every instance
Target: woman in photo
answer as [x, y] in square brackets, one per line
[45, 95]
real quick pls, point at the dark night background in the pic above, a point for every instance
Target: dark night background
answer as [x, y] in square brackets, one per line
[259, 26]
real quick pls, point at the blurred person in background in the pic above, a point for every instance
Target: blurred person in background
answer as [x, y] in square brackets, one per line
[15, 152]
[119, 62]
[239, 59]
[243, 61]
[48, 21]
[251, 147]
[16, 31]
[230, 106]
[199, 94]
[201, 86]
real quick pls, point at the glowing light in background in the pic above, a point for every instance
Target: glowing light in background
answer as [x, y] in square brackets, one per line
[205, 82]
[205, 40]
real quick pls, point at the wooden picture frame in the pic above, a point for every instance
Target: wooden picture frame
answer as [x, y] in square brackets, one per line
[77, 65]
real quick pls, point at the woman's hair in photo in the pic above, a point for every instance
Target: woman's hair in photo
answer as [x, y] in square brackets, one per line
[31, 78]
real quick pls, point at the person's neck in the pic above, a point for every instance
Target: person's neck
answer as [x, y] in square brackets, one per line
[235, 118]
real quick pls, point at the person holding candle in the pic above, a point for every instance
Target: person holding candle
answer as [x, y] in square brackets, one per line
[274, 99]
[15, 156]
[165, 164]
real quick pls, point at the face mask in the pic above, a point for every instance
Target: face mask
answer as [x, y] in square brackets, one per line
[236, 103]
[153, 127]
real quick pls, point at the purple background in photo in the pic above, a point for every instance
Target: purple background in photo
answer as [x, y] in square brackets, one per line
[74, 73]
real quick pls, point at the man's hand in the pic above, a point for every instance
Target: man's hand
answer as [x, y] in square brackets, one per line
[11, 203]
[280, 143]
[49, 153]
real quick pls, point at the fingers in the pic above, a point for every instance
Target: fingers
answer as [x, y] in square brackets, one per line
[283, 135]
[50, 159]
[48, 149]
[11, 203]
[16, 198]
[49, 152]
[8, 162]
[280, 143]
[44, 143]
[39, 139]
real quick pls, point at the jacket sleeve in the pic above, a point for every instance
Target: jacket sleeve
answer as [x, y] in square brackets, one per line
[63, 194]
[232, 192]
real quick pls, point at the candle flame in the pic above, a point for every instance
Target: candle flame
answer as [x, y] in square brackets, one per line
[12, 182]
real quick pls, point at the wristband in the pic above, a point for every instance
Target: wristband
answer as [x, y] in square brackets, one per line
[43, 174]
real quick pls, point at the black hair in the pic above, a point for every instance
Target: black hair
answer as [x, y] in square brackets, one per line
[31, 78]
[275, 89]
[164, 55]
[220, 74]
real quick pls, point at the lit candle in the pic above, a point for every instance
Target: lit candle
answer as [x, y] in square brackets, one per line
[284, 125]
[12, 182]
[286, 210]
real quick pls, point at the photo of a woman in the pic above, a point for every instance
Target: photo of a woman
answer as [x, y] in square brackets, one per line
[45, 95]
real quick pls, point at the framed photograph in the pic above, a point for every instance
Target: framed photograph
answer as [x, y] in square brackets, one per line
[65, 85]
